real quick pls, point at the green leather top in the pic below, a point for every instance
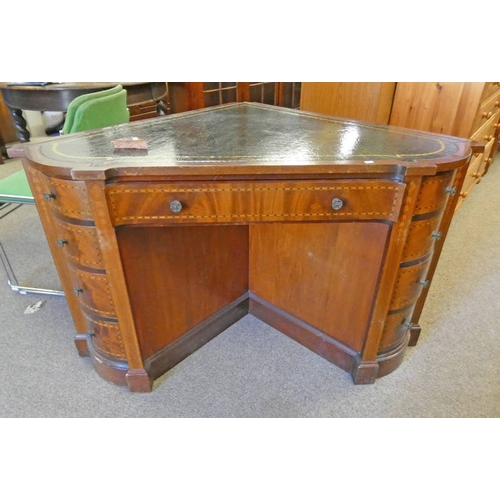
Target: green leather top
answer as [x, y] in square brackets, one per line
[237, 139]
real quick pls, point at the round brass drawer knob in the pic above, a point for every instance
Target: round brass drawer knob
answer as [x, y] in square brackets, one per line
[337, 203]
[176, 206]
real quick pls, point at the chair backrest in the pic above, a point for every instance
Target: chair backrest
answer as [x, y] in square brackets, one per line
[75, 104]
[96, 112]
[101, 112]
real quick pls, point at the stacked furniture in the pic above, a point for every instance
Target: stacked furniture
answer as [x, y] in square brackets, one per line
[470, 110]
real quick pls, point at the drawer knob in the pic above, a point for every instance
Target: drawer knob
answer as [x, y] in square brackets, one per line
[77, 290]
[176, 206]
[337, 203]
[450, 190]
[62, 242]
[49, 196]
[437, 235]
[487, 114]
[424, 283]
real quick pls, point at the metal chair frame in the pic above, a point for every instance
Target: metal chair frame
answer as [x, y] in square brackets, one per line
[12, 281]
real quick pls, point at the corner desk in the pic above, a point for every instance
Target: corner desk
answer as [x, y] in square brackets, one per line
[329, 230]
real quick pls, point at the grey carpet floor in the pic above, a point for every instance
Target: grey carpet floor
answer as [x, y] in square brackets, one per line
[252, 370]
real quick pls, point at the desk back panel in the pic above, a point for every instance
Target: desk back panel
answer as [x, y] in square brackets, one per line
[324, 274]
[207, 270]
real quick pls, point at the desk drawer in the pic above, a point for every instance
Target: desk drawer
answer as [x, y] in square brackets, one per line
[411, 280]
[226, 202]
[421, 236]
[106, 337]
[434, 193]
[79, 243]
[68, 198]
[93, 292]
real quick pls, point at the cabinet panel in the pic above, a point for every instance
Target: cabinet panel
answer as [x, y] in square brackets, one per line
[369, 102]
[288, 259]
[445, 108]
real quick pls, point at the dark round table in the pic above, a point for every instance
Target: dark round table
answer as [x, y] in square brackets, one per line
[41, 96]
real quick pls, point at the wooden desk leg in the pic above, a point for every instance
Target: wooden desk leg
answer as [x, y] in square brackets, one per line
[365, 372]
[20, 123]
[414, 335]
[138, 380]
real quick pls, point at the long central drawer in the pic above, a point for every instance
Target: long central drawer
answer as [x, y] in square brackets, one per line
[226, 202]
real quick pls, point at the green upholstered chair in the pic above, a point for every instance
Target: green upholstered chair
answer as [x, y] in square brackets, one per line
[101, 112]
[92, 111]
[75, 104]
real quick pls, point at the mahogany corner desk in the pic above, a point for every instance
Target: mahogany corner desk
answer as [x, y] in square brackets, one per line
[327, 229]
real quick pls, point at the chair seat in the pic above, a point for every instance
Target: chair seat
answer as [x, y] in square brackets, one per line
[16, 189]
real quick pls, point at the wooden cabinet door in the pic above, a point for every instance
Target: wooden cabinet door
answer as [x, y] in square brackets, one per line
[366, 101]
[445, 108]
[187, 96]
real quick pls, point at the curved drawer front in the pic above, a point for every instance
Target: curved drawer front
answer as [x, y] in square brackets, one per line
[411, 280]
[433, 193]
[68, 198]
[79, 243]
[93, 293]
[421, 236]
[255, 201]
[106, 337]
[395, 329]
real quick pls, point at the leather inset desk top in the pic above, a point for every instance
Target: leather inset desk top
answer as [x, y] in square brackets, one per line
[247, 135]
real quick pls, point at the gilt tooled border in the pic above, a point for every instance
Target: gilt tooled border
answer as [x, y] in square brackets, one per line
[117, 218]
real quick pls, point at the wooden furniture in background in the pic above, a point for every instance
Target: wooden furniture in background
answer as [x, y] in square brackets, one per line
[469, 110]
[187, 96]
[323, 228]
[461, 109]
[7, 129]
[57, 97]
[367, 101]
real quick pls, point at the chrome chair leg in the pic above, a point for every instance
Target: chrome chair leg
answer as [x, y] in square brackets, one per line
[5, 209]
[14, 284]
